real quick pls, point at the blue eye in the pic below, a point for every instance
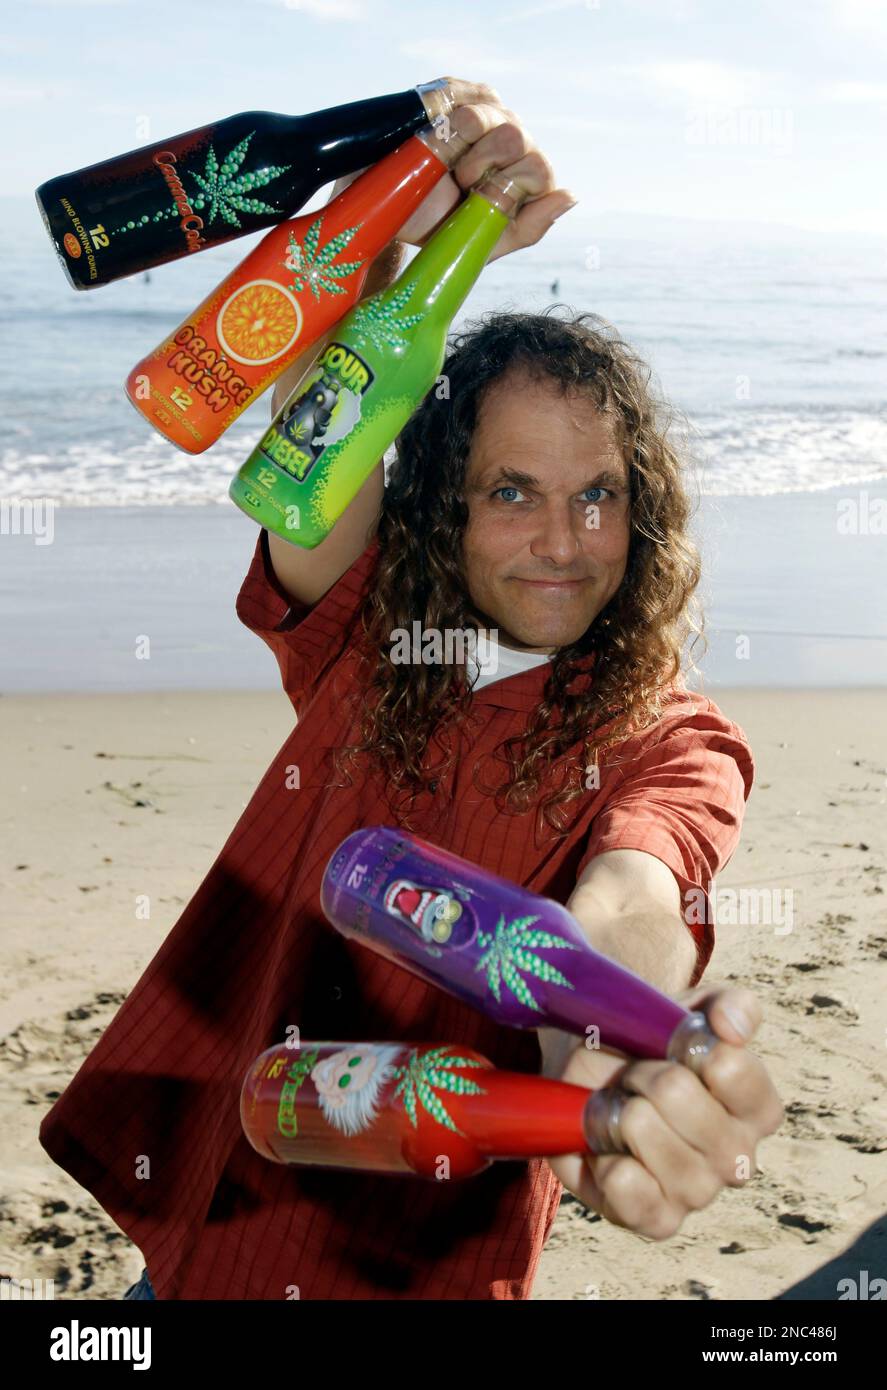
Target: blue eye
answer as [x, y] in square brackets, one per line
[599, 493]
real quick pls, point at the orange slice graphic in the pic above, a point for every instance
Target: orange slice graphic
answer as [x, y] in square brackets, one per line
[259, 323]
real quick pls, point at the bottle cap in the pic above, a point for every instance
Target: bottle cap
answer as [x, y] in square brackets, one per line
[692, 1042]
[437, 97]
[502, 192]
[444, 141]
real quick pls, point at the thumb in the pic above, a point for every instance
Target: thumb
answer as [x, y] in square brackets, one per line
[734, 1014]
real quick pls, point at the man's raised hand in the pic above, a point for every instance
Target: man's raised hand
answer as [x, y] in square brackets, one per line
[498, 142]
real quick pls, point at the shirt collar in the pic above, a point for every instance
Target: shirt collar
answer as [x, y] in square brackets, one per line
[523, 691]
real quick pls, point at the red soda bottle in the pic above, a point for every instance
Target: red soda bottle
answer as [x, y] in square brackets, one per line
[436, 1110]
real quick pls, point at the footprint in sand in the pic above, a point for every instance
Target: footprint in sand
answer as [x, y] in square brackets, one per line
[76, 1246]
[34, 1044]
[802, 1121]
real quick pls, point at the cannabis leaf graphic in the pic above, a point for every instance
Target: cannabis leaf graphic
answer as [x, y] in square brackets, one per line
[225, 191]
[220, 192]
[379, 319]
[434, 1069]
[511, 950]
[314, 267]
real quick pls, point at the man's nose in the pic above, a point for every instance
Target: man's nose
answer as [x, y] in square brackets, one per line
[558, 535]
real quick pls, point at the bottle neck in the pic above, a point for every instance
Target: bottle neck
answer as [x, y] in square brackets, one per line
[437, 98]
[526, 1116]
[349, 137]
[382, 199]
[501, 192]
[445, 270]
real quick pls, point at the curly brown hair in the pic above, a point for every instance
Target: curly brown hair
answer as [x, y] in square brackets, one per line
[634, 644]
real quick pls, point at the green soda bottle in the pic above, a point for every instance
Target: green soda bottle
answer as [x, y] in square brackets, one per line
[358, 394]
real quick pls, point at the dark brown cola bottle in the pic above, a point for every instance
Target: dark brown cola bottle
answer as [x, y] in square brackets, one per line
[197, 190]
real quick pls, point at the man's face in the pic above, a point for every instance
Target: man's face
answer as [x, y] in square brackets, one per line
[535, 568]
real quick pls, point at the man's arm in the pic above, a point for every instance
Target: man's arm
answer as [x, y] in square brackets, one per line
[306, 575]
[683, 1133]
[629, 906]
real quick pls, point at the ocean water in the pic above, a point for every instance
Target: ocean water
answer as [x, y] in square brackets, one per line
[772, 345]
[774, 350]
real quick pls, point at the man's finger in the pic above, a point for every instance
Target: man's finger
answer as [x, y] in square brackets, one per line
[689, 1175]
[495, 137]
[626, 1194]
[686, 1106]
[533, 221]
[507, 148]
[472, 93]
[741, 1082]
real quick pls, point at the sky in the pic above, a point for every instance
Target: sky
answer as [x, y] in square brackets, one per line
[763, 111]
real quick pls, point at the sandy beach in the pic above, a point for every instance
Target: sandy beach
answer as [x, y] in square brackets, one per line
[114, 798]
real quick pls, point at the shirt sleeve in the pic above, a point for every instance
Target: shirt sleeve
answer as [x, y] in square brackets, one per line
[307, 639]
[681, 796]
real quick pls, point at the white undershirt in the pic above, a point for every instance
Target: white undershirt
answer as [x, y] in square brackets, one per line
[499, 662]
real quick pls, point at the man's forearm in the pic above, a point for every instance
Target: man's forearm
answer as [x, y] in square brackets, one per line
[655, 944]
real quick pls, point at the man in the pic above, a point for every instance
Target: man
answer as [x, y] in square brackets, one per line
[538, 499]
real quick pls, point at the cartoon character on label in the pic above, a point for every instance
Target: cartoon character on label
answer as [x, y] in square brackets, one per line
[349, 1084]
[432, 912]
[310, 416]
[308, 423]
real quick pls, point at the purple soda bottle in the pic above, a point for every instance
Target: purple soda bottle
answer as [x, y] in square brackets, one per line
[520, 958]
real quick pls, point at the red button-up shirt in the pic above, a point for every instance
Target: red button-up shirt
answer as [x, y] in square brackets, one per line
[252, 953]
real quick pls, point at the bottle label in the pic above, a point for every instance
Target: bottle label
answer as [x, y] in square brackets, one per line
[300, 1069]
[77, 245]
[431, 911]
[272, 306]
[195, 199]
[354, 1084]
[322, 412]
[189, 222]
